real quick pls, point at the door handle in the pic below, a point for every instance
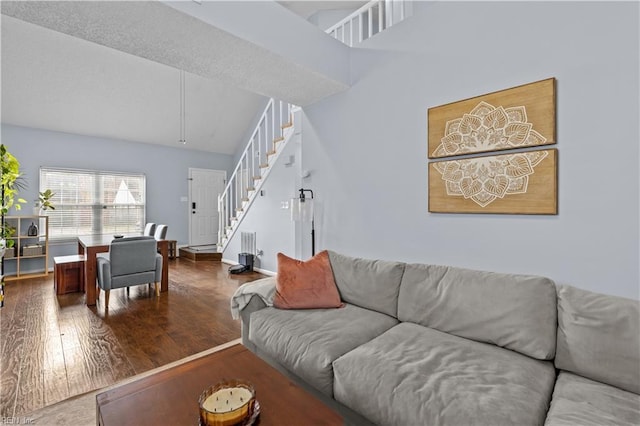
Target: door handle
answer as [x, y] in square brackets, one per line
[193, 205]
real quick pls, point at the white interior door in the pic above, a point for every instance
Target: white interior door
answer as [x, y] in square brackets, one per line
[204, 188]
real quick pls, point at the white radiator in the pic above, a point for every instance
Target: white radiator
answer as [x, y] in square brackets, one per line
[248, 242]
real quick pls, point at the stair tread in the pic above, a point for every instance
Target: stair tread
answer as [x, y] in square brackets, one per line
[286, 125]
[271, 152]
[280, 139]
[264, 165]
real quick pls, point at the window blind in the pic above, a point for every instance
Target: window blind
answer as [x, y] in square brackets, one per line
[89, 202]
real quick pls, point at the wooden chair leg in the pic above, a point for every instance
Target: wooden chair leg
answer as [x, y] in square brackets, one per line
[106, 298]
[157, 288]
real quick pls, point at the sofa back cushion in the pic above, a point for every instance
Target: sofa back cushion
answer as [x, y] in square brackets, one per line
[599, 337]
[517, 312]
[370, 284]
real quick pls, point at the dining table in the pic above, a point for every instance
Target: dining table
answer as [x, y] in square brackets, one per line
[91, 245]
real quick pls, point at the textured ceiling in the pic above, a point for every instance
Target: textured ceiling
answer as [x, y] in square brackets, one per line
[53, 80]
[57, 82]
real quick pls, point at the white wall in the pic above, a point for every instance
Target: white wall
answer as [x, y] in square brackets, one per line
[166, 170]
[367, 146]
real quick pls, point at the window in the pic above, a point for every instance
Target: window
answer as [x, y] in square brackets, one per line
[94, 202]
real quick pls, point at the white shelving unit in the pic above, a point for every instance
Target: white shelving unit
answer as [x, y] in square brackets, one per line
[30, 253]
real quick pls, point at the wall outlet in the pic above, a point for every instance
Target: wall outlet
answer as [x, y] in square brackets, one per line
[284, 205]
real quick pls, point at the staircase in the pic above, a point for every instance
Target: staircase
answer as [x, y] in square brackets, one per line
[275, 127]
[274, 130]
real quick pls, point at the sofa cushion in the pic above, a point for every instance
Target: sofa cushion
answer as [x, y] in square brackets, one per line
[599, 337]
[371, 284]
[306, 342]
[306, 284]
[517, 312]
[413, 375]
[580, 401]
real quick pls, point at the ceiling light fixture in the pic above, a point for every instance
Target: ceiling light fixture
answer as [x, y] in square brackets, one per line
[183, 137]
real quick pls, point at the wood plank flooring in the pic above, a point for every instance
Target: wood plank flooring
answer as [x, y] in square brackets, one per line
[54, 347]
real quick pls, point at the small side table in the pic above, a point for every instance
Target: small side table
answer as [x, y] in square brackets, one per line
[69, 273]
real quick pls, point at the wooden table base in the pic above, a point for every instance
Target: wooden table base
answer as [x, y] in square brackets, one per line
[170, 397]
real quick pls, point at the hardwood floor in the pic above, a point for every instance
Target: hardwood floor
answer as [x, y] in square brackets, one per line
[54, 347]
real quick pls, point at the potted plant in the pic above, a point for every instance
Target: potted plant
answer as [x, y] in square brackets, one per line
[6, 242]
[10, 182]
[44, 200]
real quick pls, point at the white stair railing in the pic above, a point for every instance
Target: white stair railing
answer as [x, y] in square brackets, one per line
[369, 20]
[274, 128]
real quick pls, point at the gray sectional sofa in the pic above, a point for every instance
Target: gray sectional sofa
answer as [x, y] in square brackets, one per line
[433, 345]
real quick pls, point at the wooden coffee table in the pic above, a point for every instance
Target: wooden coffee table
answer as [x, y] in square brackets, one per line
[170, 397]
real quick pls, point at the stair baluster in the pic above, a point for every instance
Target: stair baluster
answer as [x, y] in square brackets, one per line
[261, 152]
[363, 21]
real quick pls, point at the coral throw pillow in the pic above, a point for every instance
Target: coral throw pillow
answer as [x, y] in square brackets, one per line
[306, 285]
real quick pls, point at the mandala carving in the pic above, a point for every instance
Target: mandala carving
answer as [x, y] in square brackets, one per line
[486, 179]
[487, 128]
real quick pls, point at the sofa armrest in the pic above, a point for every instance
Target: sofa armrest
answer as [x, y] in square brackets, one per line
[255, 304]
[251, 297]
[264, 288]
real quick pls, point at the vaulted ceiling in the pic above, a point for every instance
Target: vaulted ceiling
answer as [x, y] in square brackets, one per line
[88, 68]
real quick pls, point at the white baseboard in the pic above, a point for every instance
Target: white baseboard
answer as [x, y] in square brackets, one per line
[262, 271]
[266, 272]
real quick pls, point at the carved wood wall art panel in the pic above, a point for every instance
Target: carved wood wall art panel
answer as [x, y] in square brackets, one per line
[519, 117]
[518, 183]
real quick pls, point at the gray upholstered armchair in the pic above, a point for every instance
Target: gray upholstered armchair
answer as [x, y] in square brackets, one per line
[130, 261]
